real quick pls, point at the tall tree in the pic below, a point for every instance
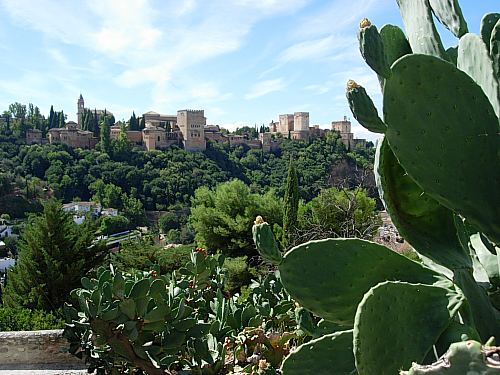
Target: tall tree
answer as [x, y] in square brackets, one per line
[291, 204]
[133, 123]
[51, 117]
[142, 124]
[105, 135]
[54, 253]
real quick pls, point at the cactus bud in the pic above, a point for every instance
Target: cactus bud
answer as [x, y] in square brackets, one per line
[351, 85]
[365, 22]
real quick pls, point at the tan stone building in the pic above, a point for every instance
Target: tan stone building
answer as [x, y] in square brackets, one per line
[344, 129]
[34, 136]
[168, 122]
[72, 136]
[285, 124]
[191, 124]
[134, 136]
[157, 138]
[81, 109]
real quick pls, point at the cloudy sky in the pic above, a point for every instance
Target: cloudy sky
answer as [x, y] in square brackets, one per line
[243, 61]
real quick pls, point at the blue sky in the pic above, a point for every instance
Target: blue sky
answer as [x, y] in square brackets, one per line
[243, 61]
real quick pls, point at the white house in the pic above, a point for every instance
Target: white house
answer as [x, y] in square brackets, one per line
[5, 230]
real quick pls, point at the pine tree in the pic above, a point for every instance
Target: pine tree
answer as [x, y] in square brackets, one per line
[291, 204]
[54, 254]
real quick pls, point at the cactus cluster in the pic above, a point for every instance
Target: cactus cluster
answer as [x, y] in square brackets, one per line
[158, 323]
[437, 173]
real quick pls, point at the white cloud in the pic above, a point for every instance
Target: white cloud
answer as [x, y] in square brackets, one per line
[265, 87]
[314, 49]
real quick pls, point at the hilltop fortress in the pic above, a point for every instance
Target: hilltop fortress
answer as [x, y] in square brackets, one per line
[189, 129]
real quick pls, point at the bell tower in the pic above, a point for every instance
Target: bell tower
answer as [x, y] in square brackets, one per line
[81, 107]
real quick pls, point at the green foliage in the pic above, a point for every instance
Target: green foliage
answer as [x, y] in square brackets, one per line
[105, 140]
[114, 224]
[141, 255]
[168, 221]
[338, 213]
[152, 322]
[238, 273]
[223, 217]
[54, 253]
[290, 204]
[21, 319]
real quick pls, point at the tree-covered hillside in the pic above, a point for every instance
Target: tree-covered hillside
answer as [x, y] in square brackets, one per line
[163, 179]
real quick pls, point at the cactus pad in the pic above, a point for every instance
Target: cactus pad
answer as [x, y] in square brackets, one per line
[328, 355]
[448, 12]
[487, 24]
[363, 109]
[474, 59]
[462, 358]
[420, 28]
[372, 49]
[329, 277]
[441, 140]
[264, 240]
[394, 311]
[395, 43]
[428, 226]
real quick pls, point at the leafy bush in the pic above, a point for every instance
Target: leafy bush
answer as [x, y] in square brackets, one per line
[20, 319]
[142, 254]
[238, 273]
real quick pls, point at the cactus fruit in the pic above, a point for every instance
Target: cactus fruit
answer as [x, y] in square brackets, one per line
[328, 355]
[363, 109]
[474, 59]
[372, 48]
[487, 24]
[264, 240]
[398, 310]
[395, 43]
[468, 357]
[427, 225]
[448, 12]
[427, 135]
[420, 28]
[329, 277]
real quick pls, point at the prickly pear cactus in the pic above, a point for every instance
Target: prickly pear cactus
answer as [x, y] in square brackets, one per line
[468, 357]
[264, 240]
[437, 170]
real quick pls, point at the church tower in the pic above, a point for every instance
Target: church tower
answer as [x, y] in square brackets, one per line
[81, 107]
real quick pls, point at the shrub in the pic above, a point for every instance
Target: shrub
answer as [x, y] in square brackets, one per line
[20, 319]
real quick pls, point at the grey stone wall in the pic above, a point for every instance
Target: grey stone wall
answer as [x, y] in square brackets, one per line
[35, 349]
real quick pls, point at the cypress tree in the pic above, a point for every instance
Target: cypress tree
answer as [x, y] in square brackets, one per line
[105, 135]
[142, 125]
[51, 117]
[62, 120]
[54, 254]
[133, 123]
[291, 204]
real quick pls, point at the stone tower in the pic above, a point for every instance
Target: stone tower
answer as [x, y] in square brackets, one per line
[81, 107]
[192, 123]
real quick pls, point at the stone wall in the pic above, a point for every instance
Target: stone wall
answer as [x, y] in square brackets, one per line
[36, 349]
